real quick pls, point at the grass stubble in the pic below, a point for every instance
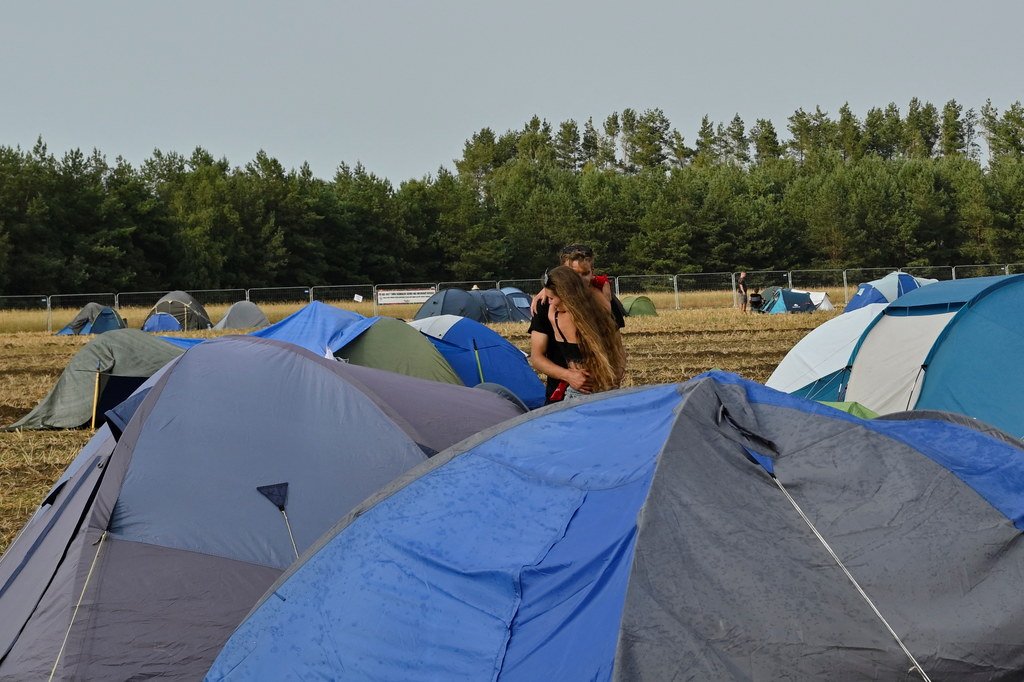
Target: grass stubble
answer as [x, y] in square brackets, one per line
[674, 346]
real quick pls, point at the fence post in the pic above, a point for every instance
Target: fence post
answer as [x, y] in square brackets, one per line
[846, 289]
[49, 316]
[675, 290]
[789, 278]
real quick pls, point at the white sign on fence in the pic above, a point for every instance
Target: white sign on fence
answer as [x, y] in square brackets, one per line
[390, 296]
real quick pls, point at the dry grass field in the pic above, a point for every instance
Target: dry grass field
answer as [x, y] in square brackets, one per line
[674, 346]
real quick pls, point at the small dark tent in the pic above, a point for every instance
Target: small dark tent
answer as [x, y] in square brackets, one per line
[742, 534]
[187, 311]
[452, 302]
[124, 358]
[481, 305]
[154, 546]
[93, 318]
[243, 315]
[519, 298]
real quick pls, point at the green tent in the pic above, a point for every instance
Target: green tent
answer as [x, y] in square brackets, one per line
[638, 305]
[853, 408]
[124, 359]
[399, 347]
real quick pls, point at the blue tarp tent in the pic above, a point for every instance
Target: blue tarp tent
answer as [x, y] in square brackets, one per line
[316, 327]
[158, 541]
[885, 289]
[479, 354]
[953, 345]
[568, 544]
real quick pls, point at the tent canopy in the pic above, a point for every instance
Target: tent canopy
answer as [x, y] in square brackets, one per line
[239, 457]
[187, 311]
[885, 289]
[481, 305]
[636, 306]
[243, 315]
[949, 346]
[590, 549]
[479, 354]
[93, 318]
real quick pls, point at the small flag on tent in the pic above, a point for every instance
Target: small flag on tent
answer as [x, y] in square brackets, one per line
[277, 493]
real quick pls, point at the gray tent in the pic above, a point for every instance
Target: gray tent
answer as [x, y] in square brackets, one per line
[741, 534]
[151, 548]
[189, 312]
[243, 315]
[123, 357]
[93, 318]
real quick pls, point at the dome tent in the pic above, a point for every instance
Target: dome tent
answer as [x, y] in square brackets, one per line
[636, 306]
[243, 315]
[481, 305]
[154, 545]
[93, 318]
[591, 550]
[885, 289]
[186, 311]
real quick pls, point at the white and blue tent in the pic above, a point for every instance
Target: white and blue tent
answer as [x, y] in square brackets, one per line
[953, 345]
[815, 367]
[741, 533]
[478, 354]
[885, 289]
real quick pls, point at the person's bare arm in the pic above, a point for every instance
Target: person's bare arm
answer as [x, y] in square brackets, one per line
[540, 299]
[577, 378]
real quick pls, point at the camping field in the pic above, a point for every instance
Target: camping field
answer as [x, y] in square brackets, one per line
[672, 347]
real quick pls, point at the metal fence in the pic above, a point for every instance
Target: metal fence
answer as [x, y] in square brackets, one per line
[683, 290]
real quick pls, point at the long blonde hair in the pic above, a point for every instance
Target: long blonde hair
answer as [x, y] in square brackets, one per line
[596, 331]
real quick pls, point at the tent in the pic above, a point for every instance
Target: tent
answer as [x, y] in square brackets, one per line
[394, 345]
[243, 315]
[742, 534]
[124, 358]
[93, 318]
[814, 367]
[951, 346]
[317, 327]
[885, 289]
[481, 305]
[152, 547]
[187, 311]
[519, 298]
[479, 354]
[789, 301]
[636, 306]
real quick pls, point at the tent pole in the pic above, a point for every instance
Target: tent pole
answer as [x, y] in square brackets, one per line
[479, 367]
[95, 396]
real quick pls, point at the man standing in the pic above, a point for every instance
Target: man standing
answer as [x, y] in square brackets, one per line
[742, 287]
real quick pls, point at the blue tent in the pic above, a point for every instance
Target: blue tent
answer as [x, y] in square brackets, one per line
[479, 354]
[93, 318]
[519, 298]
[953, 346]
[482, 305]
[161, 322]
[789, 301]
[161, 536]
[317, 327]
[741, 533]
[885, 289]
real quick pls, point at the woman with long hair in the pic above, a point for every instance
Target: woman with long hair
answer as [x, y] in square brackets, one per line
[581, 326]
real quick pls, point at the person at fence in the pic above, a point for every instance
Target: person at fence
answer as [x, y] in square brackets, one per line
[589, 355]
[581, 259]
[741, 286]
[756, 300]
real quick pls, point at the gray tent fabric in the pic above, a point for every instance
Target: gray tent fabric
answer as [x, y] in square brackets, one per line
[93, 318]
[119, 353]
[243, 315]
[154, 545]
[742, 534]
[189, 312]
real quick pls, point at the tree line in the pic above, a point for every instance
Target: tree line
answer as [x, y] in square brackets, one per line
[916, 187]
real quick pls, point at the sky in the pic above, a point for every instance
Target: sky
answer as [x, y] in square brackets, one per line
[399, 86]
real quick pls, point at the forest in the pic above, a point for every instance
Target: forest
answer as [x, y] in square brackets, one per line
[889, 188]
